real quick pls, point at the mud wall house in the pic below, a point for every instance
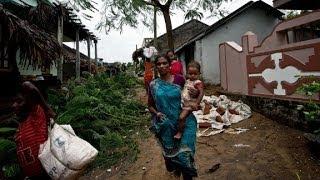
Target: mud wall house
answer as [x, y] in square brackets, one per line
[281, 63]
[257, 17]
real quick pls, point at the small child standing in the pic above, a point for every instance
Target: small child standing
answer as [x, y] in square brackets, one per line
[189, 103]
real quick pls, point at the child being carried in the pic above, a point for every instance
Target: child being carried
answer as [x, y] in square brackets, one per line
[190, 103]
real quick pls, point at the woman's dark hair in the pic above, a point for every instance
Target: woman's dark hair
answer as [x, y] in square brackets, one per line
[170, 50]
[168, 53]
[194, 64]
[160, 56]
[33, 97]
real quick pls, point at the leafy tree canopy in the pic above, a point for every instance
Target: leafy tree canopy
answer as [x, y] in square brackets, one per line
[120, 13]
[117, 14]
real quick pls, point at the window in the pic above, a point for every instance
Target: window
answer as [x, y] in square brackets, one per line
[304, 32]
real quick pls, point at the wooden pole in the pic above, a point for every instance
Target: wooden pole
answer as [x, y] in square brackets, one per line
[88, 47]
[77, 55]
[60, 41]
[155, 72]
[155, 26]
[95, 51]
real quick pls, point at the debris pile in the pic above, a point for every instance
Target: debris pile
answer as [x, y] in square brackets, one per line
[217, 113]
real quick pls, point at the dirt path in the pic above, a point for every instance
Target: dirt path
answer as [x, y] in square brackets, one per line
[274, 151]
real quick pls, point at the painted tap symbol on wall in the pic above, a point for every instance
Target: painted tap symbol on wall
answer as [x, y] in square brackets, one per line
[288, 74]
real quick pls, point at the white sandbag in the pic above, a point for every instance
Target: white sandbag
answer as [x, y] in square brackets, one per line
[217, 125]
[54, 168]
[223, 102]
[235, 118]
[208, 99]
[64, 155]
[226, 118]
[243, 109]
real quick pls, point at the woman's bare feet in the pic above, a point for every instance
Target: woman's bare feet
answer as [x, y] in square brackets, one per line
[178, 135]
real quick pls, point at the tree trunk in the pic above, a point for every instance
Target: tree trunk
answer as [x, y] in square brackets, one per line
[89, 57]
[167, 19]
[78, 63]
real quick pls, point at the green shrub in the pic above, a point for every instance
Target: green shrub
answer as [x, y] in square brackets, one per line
[102, 111]
[7, 131]
[7, 151]
[8, 159]
[312, 109]
[11, 171]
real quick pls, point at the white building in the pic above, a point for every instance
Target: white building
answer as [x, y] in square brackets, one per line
[257, 17]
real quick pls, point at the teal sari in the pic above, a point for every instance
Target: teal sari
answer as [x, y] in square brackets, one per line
[179, 154]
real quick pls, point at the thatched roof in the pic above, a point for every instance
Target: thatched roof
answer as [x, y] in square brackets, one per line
[70, 55]
[70, 58]
[33, 29]
[37, 47]
[44, 13]
[45, 16]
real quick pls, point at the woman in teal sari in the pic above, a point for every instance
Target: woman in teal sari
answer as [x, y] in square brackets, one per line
[165, 105]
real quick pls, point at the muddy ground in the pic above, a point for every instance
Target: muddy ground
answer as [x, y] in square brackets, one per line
[272, 151]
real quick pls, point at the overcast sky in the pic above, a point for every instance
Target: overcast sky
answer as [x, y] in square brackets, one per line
[119, 47]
